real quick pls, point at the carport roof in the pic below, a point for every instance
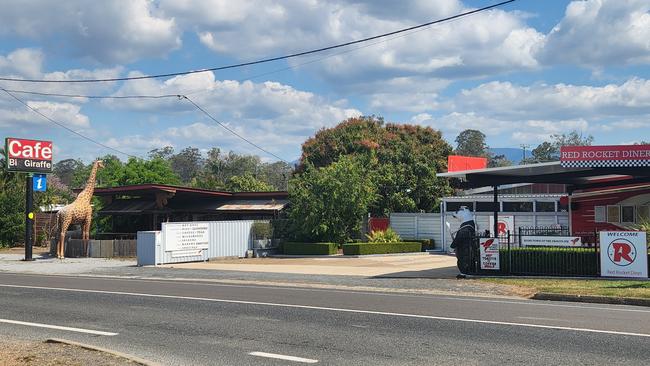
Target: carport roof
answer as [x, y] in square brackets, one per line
[552, 172]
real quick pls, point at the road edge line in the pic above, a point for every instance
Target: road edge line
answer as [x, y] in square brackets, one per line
[132, 358]
[592, 299]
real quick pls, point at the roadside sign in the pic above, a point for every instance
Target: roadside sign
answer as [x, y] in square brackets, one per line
[506, 223]
[551, 241]
[605, 156]
[30, 156]
[623, 254]
[40, 183]
[489, 253]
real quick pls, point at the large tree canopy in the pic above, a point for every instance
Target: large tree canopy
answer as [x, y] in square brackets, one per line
[402, 160]
[550, 150]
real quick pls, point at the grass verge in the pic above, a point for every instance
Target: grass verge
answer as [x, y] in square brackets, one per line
[610, 288]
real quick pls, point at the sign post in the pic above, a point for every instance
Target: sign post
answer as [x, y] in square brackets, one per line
[29, 156]
[623, 254]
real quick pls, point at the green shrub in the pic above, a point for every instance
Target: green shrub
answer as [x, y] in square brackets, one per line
[427, 244]
[381, 248]
[309, 248]
[262, 230]
[387, 236]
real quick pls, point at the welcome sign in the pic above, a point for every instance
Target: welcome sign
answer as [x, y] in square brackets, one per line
[605, 156]
[623, 254]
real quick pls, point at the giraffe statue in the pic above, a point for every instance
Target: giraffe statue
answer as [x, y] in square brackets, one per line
[78, 212]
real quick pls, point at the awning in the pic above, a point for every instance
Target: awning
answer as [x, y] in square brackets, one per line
[253, 205]
[553, 172]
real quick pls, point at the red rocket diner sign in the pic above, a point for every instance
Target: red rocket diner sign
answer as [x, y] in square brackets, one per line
[28, 155]
[605, 156]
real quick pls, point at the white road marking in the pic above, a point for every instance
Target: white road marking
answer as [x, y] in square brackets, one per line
[356, 311]
[283, 357]
[544, 303]
[528, 302]
[58, 327]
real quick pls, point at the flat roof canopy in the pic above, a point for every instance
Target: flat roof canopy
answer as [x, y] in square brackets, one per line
[553, 172]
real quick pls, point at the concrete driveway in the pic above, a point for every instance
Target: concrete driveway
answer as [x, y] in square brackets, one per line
[420, 265]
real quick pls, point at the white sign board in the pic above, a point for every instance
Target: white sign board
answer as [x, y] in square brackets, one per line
[185, 236]
[506, 223]
[489, 252]
[623, 254]
[551, 241]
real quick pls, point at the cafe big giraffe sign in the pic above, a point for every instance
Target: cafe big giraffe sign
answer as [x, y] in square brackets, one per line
[30, 156]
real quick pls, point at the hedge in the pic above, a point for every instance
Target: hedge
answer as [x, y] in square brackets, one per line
[381, 248]
[310, 248]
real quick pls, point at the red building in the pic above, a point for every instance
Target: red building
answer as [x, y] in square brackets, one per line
[609, 208]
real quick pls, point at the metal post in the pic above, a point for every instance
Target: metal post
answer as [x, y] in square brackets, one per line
[29, 216]
[495, 233]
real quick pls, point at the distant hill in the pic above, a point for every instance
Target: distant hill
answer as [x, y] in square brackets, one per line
[513, 154]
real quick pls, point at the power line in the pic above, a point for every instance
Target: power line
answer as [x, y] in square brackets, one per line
[266, 60]
[64, 126]
[231, 130]
[144, 96]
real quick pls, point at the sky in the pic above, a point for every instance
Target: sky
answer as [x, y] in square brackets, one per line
[519, 73]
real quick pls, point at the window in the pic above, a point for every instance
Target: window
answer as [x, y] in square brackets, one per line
[485, 206]
[517, 207]
[627, 213]
[613, 214]
[600, 214]
[541, 206]
[642, 213]
[455, 206]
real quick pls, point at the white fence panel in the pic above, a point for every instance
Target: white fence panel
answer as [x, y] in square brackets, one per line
[225, 239]
[418, 226]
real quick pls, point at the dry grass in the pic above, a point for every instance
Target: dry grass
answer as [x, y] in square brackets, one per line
[612, 288]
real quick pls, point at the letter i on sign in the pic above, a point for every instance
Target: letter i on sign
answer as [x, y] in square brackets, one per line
[40, 183]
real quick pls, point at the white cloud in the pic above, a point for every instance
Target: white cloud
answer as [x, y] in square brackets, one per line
[17, 116]
[504, 130]
[110, 31]
[494, 41]
[560, 101]
[598, 33]
[271, 114]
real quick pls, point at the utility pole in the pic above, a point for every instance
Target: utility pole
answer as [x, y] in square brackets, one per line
[524, 147]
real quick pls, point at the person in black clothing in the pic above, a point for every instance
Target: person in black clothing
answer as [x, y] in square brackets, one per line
[463, 240]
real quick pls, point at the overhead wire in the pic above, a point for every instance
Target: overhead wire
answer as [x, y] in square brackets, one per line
[266, 60]
[231, 130]
[64, 126]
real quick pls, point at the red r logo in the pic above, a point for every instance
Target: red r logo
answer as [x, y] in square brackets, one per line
[621, 252]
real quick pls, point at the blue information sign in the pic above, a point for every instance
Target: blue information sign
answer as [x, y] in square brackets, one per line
[40, 182]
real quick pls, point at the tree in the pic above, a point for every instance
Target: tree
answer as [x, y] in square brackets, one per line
[550, 151]
[219, 168]
[12, 205]
[66, 170]
[164, 153]
[495, 161]
[402, 160]
[247, 183]
[187, 163]
[328, 203]
[471, 143]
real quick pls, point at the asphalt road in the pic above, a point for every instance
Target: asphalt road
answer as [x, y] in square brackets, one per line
[189, 323]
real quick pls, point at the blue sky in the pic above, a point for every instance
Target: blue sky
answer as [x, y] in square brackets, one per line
[519, 73]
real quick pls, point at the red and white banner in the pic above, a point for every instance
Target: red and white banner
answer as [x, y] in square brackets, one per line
[489, 253]
[605, 156]
[25, 155]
